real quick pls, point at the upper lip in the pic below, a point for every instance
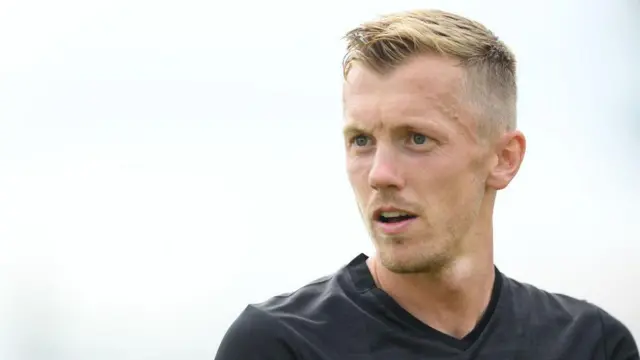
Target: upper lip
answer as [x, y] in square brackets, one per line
[380, 210]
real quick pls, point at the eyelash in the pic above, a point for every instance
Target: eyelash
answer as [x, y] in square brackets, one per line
[353, 139]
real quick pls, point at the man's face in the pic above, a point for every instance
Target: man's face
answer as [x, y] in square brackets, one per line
[414, 160]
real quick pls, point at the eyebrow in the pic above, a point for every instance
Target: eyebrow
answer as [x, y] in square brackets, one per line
[351, 130]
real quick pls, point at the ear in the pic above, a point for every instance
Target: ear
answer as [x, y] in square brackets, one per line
[509, 152]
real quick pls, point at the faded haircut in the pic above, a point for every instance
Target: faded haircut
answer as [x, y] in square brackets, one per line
[490, 82]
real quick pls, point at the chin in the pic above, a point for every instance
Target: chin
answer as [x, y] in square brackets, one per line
[403, 258]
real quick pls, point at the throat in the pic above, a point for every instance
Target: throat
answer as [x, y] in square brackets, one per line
[451, 305]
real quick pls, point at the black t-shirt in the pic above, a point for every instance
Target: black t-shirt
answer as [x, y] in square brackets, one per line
[346, 317]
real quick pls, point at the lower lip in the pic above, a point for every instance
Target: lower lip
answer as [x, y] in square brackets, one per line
[394, 228]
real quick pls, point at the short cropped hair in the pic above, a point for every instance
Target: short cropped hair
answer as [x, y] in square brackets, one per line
[387, 42]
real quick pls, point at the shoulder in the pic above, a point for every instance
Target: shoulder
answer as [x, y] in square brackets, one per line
[313, 310]
[268, 330]
[255, 334]
[618, 342]
[569, 317]
[542, 303]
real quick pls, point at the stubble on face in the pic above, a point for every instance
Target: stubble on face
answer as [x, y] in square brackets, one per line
[441, 182]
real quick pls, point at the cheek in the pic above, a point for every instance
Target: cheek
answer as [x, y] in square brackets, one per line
[358, 173]
[460, 192]
[439, 182]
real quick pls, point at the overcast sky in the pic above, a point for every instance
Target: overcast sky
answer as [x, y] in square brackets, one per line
[164, 163]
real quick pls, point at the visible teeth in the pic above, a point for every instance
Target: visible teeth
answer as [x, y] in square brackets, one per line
[392, 214]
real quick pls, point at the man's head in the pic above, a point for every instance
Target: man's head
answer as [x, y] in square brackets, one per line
[430, 118]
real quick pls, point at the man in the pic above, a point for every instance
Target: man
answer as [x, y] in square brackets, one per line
[430, 136]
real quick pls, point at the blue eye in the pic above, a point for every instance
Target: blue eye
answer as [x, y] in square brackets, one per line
[419, 139]
[361, 140]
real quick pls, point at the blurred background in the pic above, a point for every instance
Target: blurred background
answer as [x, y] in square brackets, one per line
[164, 163]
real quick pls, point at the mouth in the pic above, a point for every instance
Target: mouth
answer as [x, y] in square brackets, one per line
[392, 216]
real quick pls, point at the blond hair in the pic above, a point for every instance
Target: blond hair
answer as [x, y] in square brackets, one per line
[387, 42]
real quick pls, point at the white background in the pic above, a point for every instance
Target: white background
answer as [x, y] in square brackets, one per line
[164, 163]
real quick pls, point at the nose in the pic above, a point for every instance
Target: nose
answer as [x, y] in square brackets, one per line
[385, 170]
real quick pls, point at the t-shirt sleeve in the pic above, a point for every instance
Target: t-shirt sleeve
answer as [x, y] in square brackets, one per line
[619, 344]
[255, 335]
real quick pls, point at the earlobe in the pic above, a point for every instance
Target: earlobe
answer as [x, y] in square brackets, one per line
[510, 152]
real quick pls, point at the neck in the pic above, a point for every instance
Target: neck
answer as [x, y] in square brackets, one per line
[451, 301]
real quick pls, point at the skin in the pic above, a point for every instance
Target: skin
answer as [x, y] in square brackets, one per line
[412, 143]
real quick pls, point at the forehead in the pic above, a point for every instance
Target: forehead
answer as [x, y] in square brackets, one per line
[427, 87]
